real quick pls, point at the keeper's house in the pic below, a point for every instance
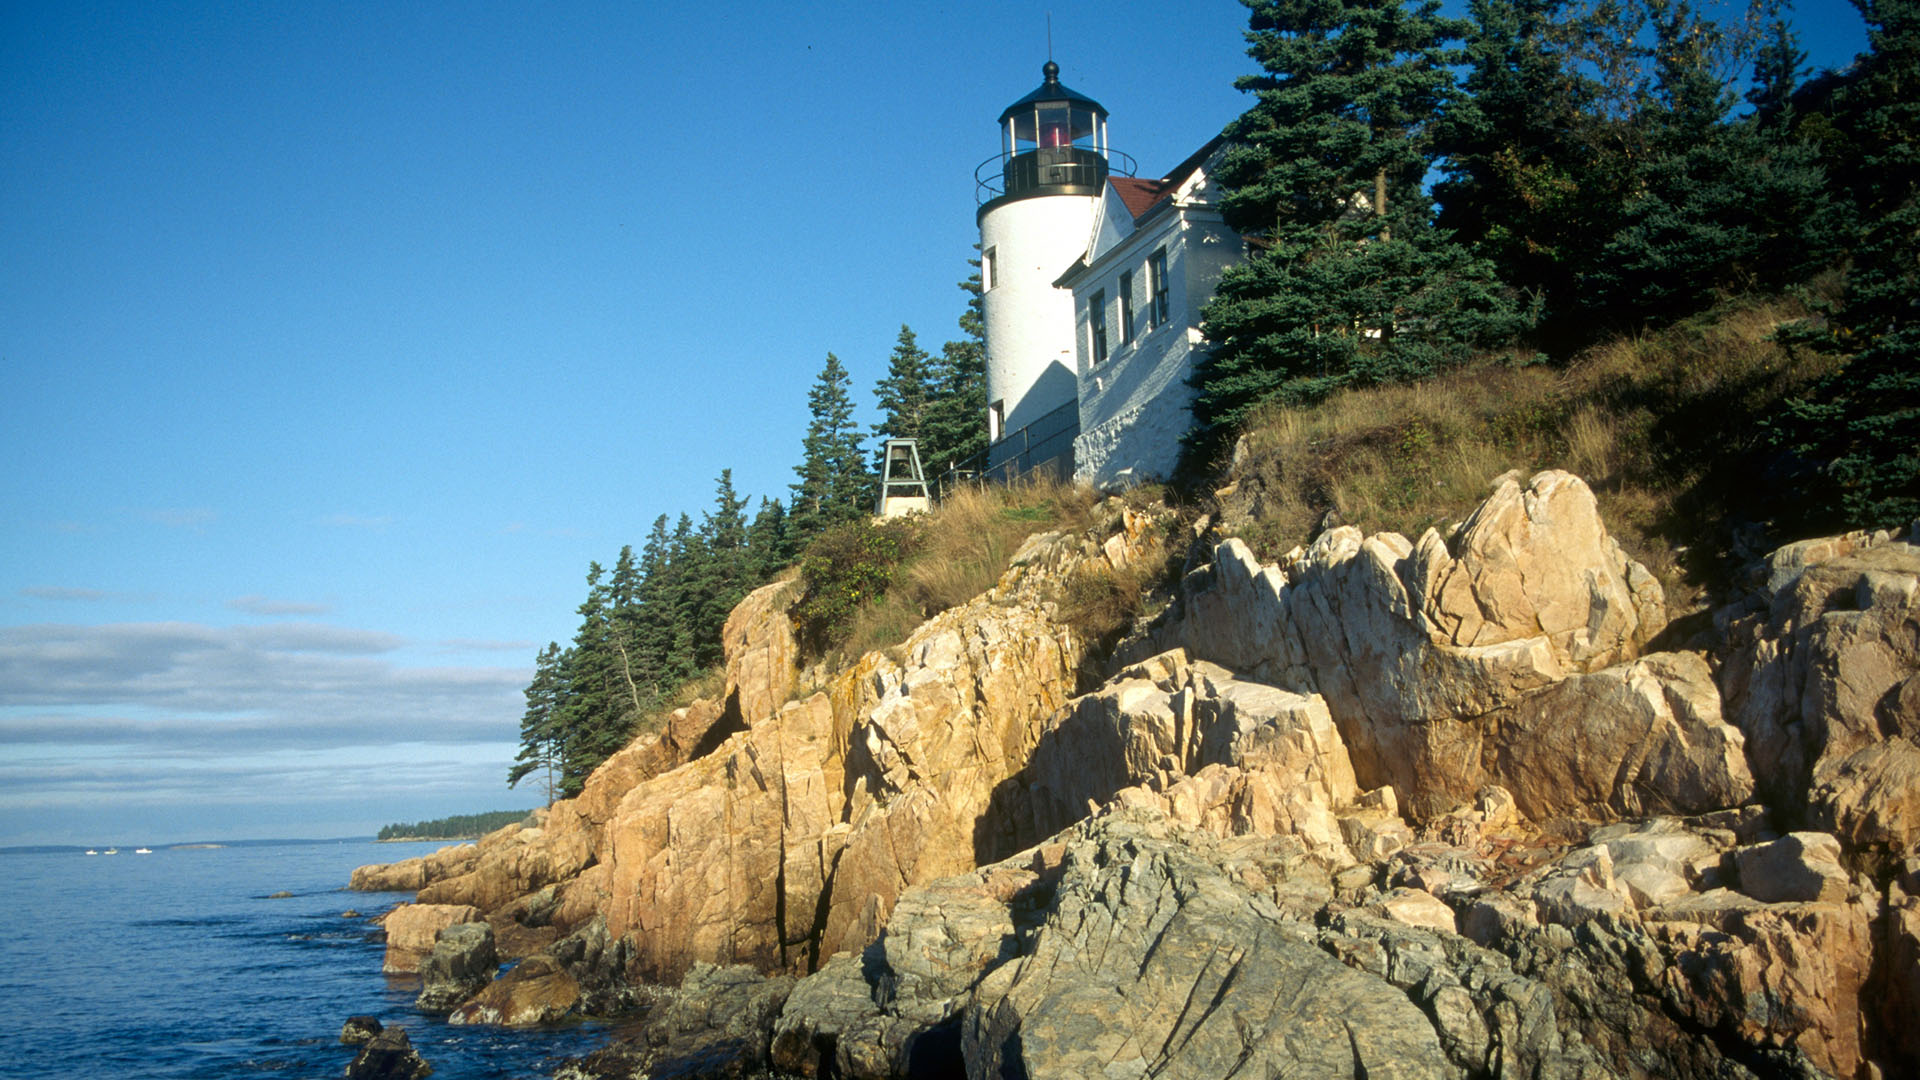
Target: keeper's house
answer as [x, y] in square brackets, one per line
[1093, 282]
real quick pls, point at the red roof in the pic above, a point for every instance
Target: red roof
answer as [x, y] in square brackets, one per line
[1141, 195]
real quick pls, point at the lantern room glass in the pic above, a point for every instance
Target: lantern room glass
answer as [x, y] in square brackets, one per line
[1053, 124]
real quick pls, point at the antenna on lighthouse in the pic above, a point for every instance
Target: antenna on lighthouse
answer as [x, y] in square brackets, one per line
[1049, 35]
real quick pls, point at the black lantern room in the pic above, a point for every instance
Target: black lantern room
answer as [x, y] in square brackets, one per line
[1053, 142]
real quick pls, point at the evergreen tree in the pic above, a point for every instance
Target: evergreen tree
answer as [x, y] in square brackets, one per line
[1348, 281]
[589, 718]
[834, 484]
[723, 573]
[767, 546]
[1777, 71]
[1861, 425]
[955, 430]
[905, 393]
[1717, 207]
[1522, 184]
[540, 738]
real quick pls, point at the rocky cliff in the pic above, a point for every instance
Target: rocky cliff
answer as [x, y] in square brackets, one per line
[1451, 807]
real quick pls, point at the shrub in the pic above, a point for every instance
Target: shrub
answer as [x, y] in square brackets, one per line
[842, 570]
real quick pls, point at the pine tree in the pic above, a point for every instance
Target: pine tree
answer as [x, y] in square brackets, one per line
[1861, 426]
[589, 718]
[767, 546]
[1521, 183]
[722, 575]
[905, 393]
[834, 484]
[1717, 206]
[955, 430]
[540, 739]
[1348, 282]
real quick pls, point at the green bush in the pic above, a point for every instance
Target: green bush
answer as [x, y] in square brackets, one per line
[843, 569]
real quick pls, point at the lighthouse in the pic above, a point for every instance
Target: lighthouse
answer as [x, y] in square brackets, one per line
[1037, 202]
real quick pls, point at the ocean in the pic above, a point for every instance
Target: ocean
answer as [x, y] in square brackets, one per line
[180, 964]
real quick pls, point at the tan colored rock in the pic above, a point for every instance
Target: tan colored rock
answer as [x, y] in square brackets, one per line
[1416, 908]
[510, 865]
[1781, 975]
[698, 856]
[932, 738]
[1537, 561]
[1897, 989]
[537, 991]
[412, 930]
[1871, 798]
[1411, 646]
[1798, 866]
[1824, 668]
[406, 875]
[1632, 741]
[761, 655]
[409, 875]
[1229, 755]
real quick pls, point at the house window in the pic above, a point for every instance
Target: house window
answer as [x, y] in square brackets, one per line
[986, 269]
[1158, 309]
[1097, 323]
[1126, 307]
[996, 420]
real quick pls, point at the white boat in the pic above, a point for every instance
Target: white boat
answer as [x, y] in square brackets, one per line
[143, 851]
[90, 851]
[111, 851]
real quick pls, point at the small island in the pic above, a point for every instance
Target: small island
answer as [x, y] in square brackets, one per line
[457, 827]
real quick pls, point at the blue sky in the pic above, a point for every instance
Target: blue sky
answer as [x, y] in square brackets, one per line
[336, 339]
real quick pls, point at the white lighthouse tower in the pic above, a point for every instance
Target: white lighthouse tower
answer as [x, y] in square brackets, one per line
[1038, 197]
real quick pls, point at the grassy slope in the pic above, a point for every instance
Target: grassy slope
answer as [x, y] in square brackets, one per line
[1666, 427]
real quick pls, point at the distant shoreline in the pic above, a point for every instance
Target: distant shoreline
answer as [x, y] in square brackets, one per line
[427, 839]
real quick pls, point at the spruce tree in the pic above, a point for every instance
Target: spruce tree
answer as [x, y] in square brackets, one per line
[722, 575]
[540, 738]
[1861, 426]
[1521, 182]
[1717, 207]
[955, 430]
[767, 546]
[1348, 281]
[905, 393]
[590, 717]
[834, 484]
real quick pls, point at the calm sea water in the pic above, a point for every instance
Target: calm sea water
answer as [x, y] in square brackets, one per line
[178, 965]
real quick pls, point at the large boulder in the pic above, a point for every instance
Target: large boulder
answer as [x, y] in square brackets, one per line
[1824, 677]
[463, 961]
[1130, 946]
[1412, 645]
[935, 739]
[538, 990]
[408, 875]
[1275, 763]
[762, 656]
[388, 1055]
[721, 860]
[412, 930]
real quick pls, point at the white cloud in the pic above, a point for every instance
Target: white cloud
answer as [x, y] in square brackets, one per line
[481, 645]
[254, 604]
[192, 517]
[356, 521]
[55, 592]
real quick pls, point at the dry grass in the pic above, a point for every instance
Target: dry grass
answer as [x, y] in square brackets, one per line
[960, 551]
[1663, 426]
